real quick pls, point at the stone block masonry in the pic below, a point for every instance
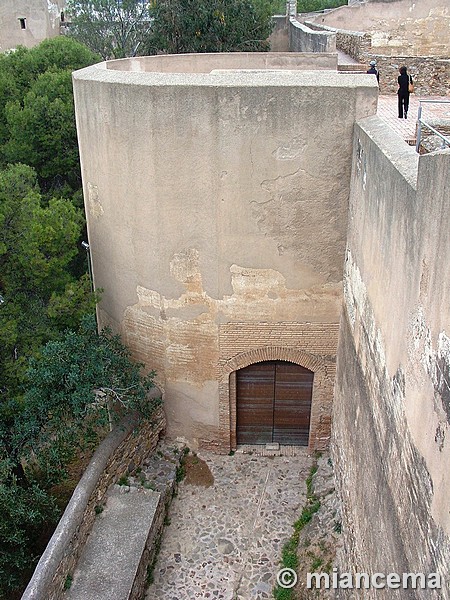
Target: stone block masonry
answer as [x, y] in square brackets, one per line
[121, 452]
[125, 537]
[431, 73]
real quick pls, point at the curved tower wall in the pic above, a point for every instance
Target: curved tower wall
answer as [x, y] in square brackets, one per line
[217, 217]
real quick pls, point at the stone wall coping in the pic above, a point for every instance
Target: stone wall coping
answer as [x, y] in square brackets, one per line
[59, 543]
[336, 30]
[204, 63]
[223, 78]
[403, 157]
[410, 57]
[305, 27]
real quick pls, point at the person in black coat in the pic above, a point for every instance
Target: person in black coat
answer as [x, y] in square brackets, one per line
[403, 92]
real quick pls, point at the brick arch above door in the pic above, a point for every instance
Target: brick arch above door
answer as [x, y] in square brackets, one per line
[294, 355]
[323, 369]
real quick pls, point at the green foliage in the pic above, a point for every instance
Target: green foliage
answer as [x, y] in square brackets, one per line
[37, 122]
[278, 7]
[41, 288]
[58, 53]
[180, 473]
[289, 556]
[72, 388]
[8, 93]
[317, 562]
[79, 384]
[110, 28]
[67, 307]
[309, 479]
[305, 6]
[41, 129]
[181, 26]
[25, 513]
[38, 241]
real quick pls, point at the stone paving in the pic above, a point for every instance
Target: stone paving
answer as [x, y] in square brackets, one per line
[406, 128]
[224, 542]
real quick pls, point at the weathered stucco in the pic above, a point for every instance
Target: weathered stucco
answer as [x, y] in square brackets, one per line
[279, 38]
[391, 410]
[211, 199]
[402, 28]
[42, 21]
[304, 39]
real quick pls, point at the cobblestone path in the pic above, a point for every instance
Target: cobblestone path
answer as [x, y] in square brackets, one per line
[224, 542]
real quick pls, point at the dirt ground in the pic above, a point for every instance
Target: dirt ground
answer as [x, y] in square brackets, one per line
[197, 471]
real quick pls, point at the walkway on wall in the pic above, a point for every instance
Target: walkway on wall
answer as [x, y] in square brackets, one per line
[406, 128]
[224, 541]
[345, 59]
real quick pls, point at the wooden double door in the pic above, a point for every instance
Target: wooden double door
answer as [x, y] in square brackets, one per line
[273, 403]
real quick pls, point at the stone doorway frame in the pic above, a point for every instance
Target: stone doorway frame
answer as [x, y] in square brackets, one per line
[322, 394]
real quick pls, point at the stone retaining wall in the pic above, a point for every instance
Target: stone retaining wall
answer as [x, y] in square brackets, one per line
[151, 548]
[356, 44]
[429, 142]
[431, 73]
[121, 452]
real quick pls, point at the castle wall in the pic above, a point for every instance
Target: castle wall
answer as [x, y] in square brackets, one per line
[431, 74]
[217, 216]
[392, 401]
[42, 21]
[304, 39]
[404, 27]
[279, 38]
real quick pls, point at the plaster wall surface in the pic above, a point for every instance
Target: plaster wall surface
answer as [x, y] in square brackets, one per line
[392, 400]
[211, 199]
[304, 39]
[404, 27]
[205, 63]
[42, 21]
[279, 38]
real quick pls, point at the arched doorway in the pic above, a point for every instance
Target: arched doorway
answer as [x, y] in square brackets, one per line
[273, 401]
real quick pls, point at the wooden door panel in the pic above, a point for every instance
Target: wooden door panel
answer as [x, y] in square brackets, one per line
[255, 394]
[292, 406]
[273, 403]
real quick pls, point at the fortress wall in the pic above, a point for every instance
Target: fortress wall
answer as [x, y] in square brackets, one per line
[304, 39]
[392, 401]
[402, 27]
[205, 63]
[279, 38]
[42, 21]
[217, 206]
[431, 74]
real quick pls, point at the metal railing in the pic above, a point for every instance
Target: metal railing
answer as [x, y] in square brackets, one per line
[421, 123]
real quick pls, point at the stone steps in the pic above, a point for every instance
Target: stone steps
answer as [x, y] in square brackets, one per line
[352, 68]
[121, 545]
